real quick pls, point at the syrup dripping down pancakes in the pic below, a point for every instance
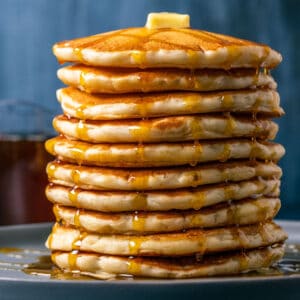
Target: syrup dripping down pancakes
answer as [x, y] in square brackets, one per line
[165, 150]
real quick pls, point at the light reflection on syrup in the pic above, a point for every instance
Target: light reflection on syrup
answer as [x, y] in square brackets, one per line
[43, 266]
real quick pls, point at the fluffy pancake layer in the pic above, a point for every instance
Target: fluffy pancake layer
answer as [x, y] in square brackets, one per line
[186, 243]
[168, 47]
[155, 155]
[184, 199]
[113, 80]
[157, 178]
[248, 211]
[105, 266]
[78, 104]
[167, 129]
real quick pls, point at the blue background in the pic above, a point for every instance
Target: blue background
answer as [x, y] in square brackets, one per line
[29, 28]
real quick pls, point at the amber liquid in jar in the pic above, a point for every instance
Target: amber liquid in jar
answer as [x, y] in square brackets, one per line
[23, 180]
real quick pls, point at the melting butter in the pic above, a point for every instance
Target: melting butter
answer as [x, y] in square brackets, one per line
[167, 20]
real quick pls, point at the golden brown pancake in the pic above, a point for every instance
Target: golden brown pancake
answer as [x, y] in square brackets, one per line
[107, 267]
[167, 129]
[166, 154]
[164, 200]
[157, 178]
[190, 242]
[118, 80]
[81, 105]
[167, 47]
[244, 212]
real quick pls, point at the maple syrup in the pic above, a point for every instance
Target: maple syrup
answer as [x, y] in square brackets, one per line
[134, 245]
[73, 196]
[138, 222]
[78, 53]
[133, 267]
[22, 182]
[82, 130]
[197, 148]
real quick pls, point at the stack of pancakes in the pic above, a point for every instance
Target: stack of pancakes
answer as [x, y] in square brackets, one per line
[164, 165]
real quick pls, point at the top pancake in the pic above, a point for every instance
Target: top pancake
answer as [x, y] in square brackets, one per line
[166, 47]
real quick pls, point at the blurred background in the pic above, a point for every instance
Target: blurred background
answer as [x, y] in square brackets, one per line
[29, 28]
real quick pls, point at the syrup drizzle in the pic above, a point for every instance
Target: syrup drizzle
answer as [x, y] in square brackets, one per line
[139, 57]
[256, 77]
[79, 112]
[78, 53]
[197, 147]
[227, 101]
[196, 128]
[133, 267]
[78, 241]
[190, 103]
[78, 152]
[230, 125]
[82, 130]
[134, 245]
[82, 80]
[139, 182]
[140, 201]
[141, 131]
[75, 176]
[72, 259]
[50, 146]
[51, 169]
[73, 195]
[76, 220]
[225, 155]
[138, 222]
[198, 200]
[140, 152]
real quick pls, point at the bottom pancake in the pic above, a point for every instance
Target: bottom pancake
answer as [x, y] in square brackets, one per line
[106, 267]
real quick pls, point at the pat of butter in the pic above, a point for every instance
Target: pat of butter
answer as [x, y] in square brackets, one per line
[167, 20]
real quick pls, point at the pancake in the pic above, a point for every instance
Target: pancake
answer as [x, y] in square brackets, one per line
[166, 47]
[155, 155]
[156, 179]
[168, 129]
[124, 201]
[118, 80]
[244, 212]
[78, 104]
[202, 241]
[106, 267]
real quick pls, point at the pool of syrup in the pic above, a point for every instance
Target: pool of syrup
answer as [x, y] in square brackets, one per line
[14, 259]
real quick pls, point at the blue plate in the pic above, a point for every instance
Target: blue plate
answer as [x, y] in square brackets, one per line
[15, 284]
